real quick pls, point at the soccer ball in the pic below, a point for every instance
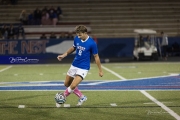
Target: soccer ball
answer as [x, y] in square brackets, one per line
[60, 98]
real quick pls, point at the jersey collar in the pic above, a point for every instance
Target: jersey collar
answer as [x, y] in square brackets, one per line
[85, 40]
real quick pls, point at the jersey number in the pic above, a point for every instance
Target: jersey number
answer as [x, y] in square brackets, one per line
[80, 52]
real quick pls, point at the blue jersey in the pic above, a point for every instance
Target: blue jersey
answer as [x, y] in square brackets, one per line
[84, 50]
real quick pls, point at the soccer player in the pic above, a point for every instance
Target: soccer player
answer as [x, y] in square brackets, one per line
[84, 46]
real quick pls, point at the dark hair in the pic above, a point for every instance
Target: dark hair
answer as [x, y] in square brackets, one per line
[162, 32]
[80, 28]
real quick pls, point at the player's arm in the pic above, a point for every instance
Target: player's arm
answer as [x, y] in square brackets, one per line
[97, 60]
[69, 51]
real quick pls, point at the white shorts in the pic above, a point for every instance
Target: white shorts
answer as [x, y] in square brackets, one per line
[73, 71]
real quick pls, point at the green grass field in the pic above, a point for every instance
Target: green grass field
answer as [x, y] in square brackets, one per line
[131, 104]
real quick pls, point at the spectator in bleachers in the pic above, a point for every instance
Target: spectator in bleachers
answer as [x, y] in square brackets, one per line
[23, 17]
[70, 35]
[53, 17]
[62, 35]
[45, 18]
[52, 36]
[31, 18]
[37, 16]
[20, 32]
[11, 32]
[51, 9]
[43, 36]
[4, 32]
[164, 45]
[59, 13]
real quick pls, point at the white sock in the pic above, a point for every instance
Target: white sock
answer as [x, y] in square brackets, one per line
[70, 90]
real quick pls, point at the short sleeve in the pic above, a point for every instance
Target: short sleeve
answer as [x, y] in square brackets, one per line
[94, 49]
[74, 44]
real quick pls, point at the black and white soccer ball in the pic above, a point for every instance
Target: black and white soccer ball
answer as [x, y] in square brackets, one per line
[60, 98]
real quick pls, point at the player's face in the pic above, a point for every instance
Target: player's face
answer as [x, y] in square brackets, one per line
[82, 36]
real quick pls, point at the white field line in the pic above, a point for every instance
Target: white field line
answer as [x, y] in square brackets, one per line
[155, 103]
[5, 68]
[114, 73]
[171, 112]
[21, 106]
[113, 104]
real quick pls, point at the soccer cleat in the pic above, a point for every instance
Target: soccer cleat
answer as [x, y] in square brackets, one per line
[58, 105]
[81, 100]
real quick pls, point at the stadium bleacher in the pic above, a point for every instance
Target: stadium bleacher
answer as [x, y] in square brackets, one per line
[106, 18]
[34, 32]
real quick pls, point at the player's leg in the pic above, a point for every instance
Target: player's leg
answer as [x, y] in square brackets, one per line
[73, 88]
[73, 85]
[80, 75]
[71, 74]
[68, 82]
[69, 78]
[77, 92]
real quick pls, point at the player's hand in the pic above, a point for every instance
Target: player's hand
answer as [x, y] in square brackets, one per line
[60, 57]
[101, 74]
